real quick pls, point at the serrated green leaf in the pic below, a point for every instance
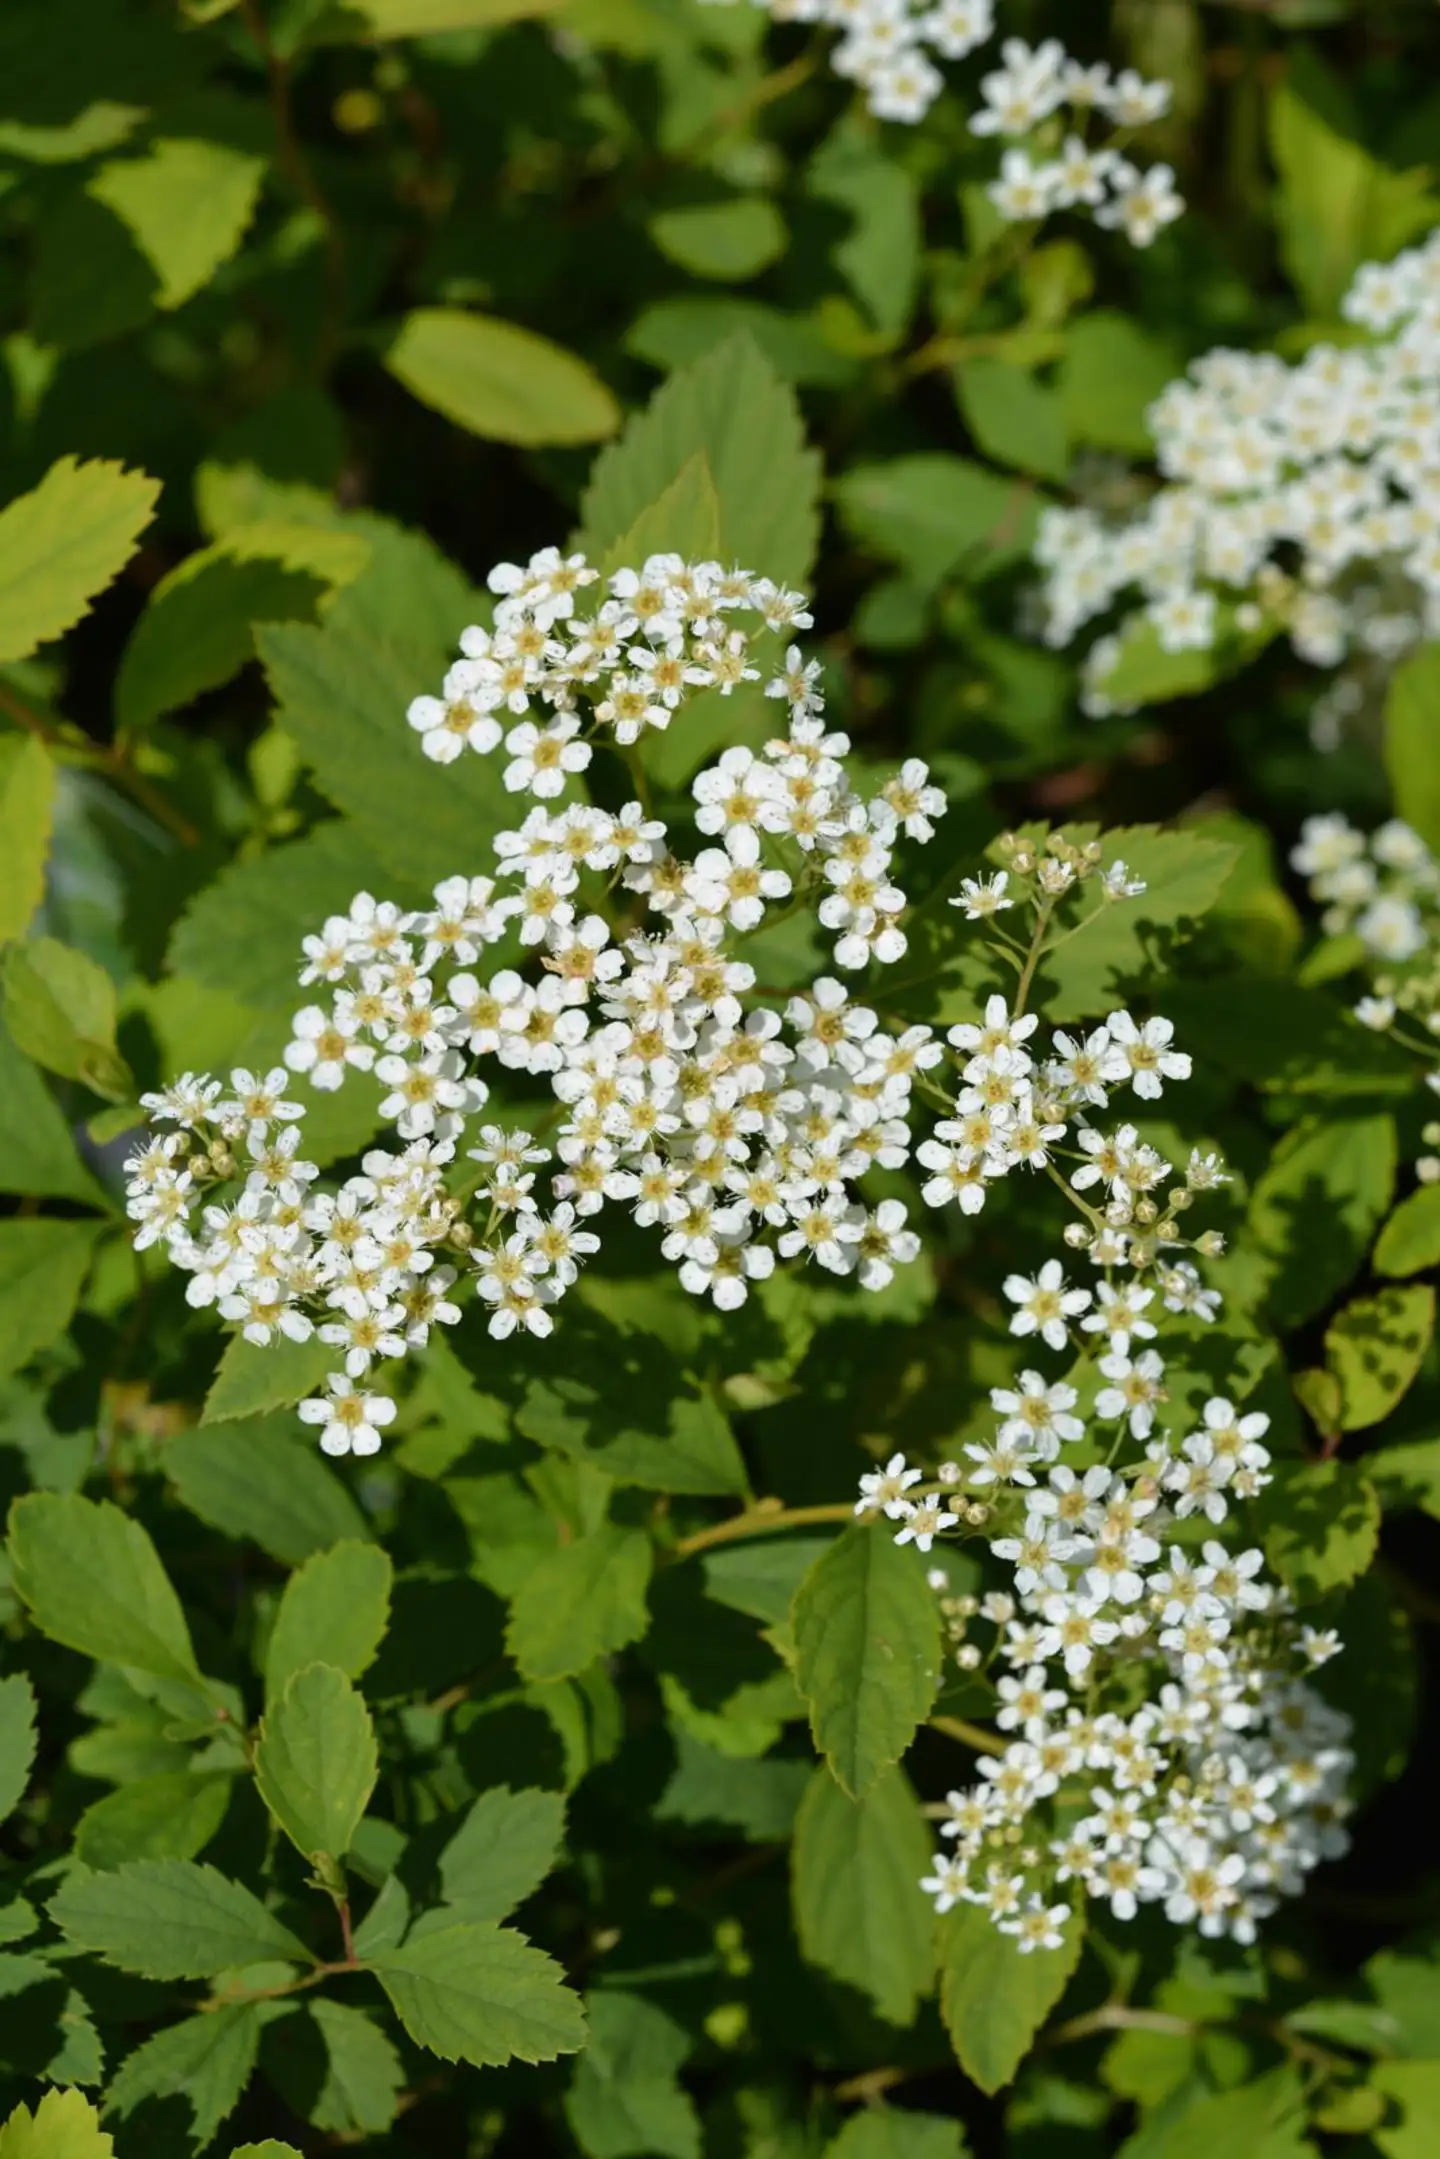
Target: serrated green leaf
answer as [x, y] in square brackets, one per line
[206, 2060]
[243, 933]
[316, 1761]
[60, 1008]
[1412, 741]
[1314, 1209]
[994, 1999]
[335, 1610]
[497, 380]
[1410, 1239]
[170, 1919]
[164, 1817]
[683, 520]
[733, 407]
[250, 1380]
[1375, 1348]
[64, 2125]
[584, 1600]
[503, 1850]
[938, 515]
[625, 2096]
[18, 1740]
[481, 1994]
[187, 204]
[343, 694]
[866, 1627]
[336, 2068]
[887, 2132]
[63, 543]
[198, 630]
[1321, 1525]
[259, 1480]
[27, 809]
[858, 1912]
[92, 1579]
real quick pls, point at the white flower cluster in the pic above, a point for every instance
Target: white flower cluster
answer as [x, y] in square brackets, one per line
[1039, 100]
[1385, 892]
[1160, 1743]
[736, 1130]
[1303, 499]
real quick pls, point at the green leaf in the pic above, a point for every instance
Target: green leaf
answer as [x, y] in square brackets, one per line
[993, 1999]
[497, 380]
[198, 630]
[249, 1379]
[27, 809]
[1375, 1348]
[1313, 1211]
[584, 1600]
[1407, 1476]
[206, 2060]
[1414, 2089]
[92, 1579]
[18, 1740]
[867, 1640]
[759, 1799]
[316, 1761]
[1412, 741]
[335, 1610]
[343, 695]
[886, 2132]
[42, 1268]
[626, 2096]
[37, 1154]
[859, 1913]
[430, 18]
[1337, 206]
[1013, 418]
[481, 1994]
[259, 1481]
[1111, 373]
[187, 203]
[63, 543]
[1410, 1239]
[164, 1817]
[938, 515]
[60, 1009]
[733, 407]
[63, 2126]
[1321, 1526]
[879, 258]
[503, 1850]
[1264, 2120]
[243, 933]
[684, 520]
[170, 1919]
[336, 2068]
[270, 2149]
[731, 240]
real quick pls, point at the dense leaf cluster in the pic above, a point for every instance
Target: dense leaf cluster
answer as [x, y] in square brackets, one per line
[561, 1778]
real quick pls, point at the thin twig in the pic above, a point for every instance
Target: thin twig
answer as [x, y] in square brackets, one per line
[759, 1521]
[970, 1735]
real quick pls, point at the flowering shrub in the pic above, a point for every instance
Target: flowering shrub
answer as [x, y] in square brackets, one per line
[717, 1267]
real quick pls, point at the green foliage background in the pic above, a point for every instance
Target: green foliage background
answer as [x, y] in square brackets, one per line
[378, 294]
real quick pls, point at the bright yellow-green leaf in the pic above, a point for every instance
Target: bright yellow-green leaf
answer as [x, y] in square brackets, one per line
[187, 203]
[42, 1267]
[1375, 1348]
[93, 1580]
[63, 2126]
[334, 1611]
[428, 18]
[60, 1009]
[727, 240]
[1338, 206]
[27, 807]
[64, 542]
[684, 520]
[1410, 1239]
[1412, 741]
[500, 381]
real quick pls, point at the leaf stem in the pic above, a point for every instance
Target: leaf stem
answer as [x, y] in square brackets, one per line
[758, 1521]
[968, 1734]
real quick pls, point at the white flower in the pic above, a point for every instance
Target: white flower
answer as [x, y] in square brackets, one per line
[886, 1488]
[1044, 1303]
[352, 1420]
